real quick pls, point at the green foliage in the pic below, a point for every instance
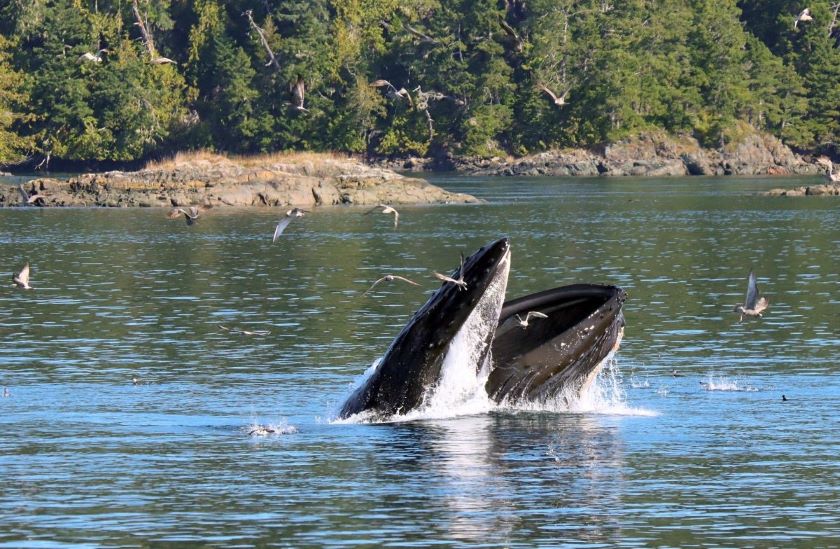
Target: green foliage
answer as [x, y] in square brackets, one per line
[478, 77]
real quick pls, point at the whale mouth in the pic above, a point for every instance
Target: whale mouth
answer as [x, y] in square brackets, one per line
[466, 344]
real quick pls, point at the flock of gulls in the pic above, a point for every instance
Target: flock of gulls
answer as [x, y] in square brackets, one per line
[754, 304]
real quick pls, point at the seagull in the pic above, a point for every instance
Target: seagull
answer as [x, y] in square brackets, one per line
[163, 61]
[290, 215]
[529, 316]
[830, 175]
[261, 430]
[386, 209]
[27, 200]
[298, 93]
[559, 101]
[393, 93]
[190, 216]
[460, 282]
[87, 56]
[753, 305]
[245, 332]
[389, 278]
[21, 279]
[6, 393]
[804, 15]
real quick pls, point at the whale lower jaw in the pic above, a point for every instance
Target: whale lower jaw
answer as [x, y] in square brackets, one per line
[460, 372]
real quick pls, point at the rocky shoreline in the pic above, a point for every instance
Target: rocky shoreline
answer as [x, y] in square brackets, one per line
[647, 155]
[209, 180]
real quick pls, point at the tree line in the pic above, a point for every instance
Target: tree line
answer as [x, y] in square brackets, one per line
[119, 80]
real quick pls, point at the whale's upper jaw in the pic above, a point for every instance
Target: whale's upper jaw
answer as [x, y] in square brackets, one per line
[413, 362]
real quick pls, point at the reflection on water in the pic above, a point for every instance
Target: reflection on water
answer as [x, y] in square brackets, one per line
[698, 448]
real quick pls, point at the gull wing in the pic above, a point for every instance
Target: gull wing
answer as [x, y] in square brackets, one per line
[23, 194]
[534, 314]
[23, 276]
[404, 279]
[281, 227]
[752, 293]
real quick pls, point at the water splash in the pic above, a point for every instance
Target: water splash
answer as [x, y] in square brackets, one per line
[282, 427]
[723, 383]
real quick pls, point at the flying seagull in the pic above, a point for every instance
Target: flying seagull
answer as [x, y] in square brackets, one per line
[386, 209]
[753, 304]
[558, 101]
[27, 200]
[190, 216]
[830, 175]
[529, 316]
[160, 60]
[393, 93]
[389, 278]
[281, 226]
[21, 279]
[298, 94]
[804, 15]
[460, 282]
[95, 58]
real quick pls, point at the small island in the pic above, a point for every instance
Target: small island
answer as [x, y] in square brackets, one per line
[211, 180]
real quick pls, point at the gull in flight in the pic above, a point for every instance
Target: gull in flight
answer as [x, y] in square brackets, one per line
[559, 101]
[190, 216]
[830, 175]
[27, 200]
[21, 279]
[290, 215]
[753, 304]
[386, 209]
[804, 15]
[460, 282]
[245, 332]
[95, 58]
[529, 316]
[298, 94]
[393, 93]
[389, 278]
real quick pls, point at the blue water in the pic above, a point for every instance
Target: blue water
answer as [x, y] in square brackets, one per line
[710, 456]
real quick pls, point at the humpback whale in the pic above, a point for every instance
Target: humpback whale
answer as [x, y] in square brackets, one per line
[559, 356]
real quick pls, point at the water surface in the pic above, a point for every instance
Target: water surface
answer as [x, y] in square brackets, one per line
[711, 456]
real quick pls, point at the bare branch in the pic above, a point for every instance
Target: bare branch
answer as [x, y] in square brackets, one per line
[144, 30]
[272, 60]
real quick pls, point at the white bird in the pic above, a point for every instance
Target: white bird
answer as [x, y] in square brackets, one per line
[558, 101]
[529, 316]
[163, 61]
[753, 304]
[460, 282]
[804, 15]
[393, 93]
[281, 226]
[245, 332]
[95, 58]
[27, 200]
[389, 278]
[21, 279]
[830, 175]
[190, 216]
[298, 94]
[386, 209]
[6, 393]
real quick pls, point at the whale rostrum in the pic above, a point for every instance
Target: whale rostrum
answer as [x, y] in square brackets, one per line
[554, 355]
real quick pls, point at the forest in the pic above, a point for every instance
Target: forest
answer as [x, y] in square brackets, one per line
[124, 80]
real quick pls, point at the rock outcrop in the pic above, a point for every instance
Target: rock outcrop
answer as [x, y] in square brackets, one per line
[826, 189]
[212, 180]
[652, 155]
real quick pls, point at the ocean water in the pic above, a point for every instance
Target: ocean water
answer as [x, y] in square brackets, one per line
[133, 418]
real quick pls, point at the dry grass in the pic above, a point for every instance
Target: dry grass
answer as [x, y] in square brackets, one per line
[213, 158]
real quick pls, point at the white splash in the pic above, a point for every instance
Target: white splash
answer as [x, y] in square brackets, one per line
[722, 383]
[460, 388]
[256, 429]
